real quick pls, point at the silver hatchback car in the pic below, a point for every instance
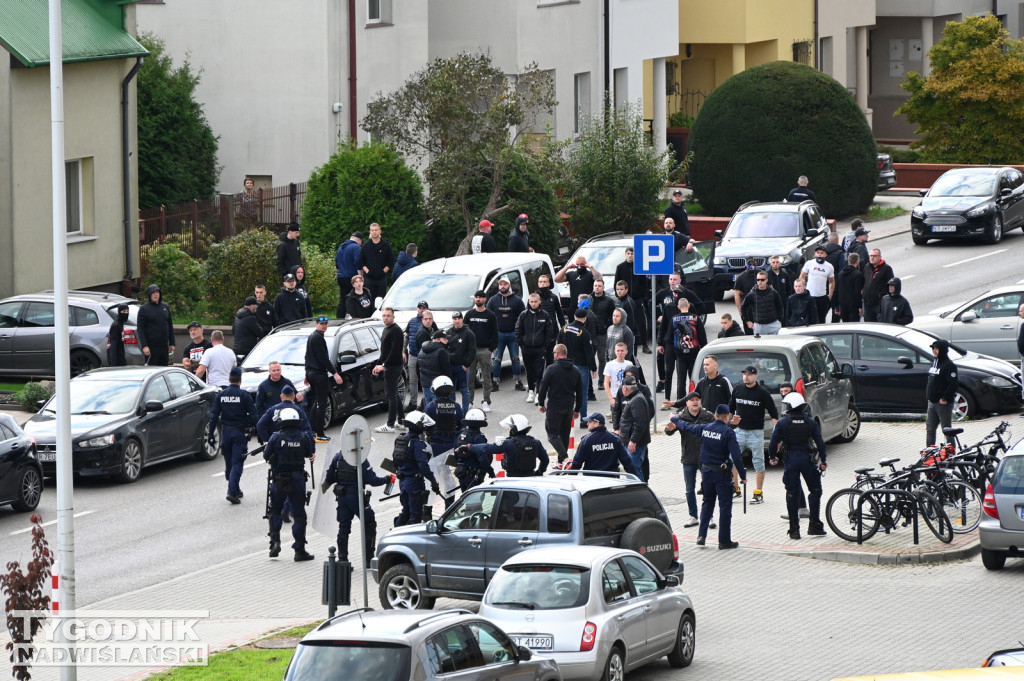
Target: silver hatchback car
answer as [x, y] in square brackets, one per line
[598, 611]
[398, 645]
[1001, 532]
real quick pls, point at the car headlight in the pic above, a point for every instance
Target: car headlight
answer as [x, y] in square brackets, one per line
[978, 211]
[720, 260]
[101, 441]
[998, 382]
[918, 212]
[785, 259]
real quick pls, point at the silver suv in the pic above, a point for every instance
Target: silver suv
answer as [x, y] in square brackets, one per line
[492, 522]
[1001, 532]
[400, 645]
[805, 362]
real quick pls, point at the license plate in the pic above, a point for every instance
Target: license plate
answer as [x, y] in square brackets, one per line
[943, 228]
[46, 456]
[1021, 509]
[535, 642]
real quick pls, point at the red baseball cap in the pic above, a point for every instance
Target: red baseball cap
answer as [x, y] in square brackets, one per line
[486, 223]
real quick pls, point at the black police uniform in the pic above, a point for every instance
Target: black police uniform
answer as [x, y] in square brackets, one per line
[287, 452]
[602, 451]
[270, 422]
[718, 446]
[269, 393]
[411, 459]
[519, 454]
[471, 469]
[345, 478]
[447, 416]
[235, 411]
[796, 430]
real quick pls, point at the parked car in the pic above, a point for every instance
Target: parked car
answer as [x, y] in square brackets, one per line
[970, 203]
[126, 418]
[1001, 532]
[448, 284]
[891, 364]
[492, 522]
[1010, 657]
[605, 252]
[804, 361]
[761, 230]
[26, 332]
[987, 324]
[599, 612]
[400, 645]
[21, 476]
[354, 348]
[886, 173]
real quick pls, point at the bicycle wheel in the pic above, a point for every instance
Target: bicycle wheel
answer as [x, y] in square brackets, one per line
[962, 504]
[935, 517]
[842, 517]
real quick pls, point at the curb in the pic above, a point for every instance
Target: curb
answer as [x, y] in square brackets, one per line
[909, 558]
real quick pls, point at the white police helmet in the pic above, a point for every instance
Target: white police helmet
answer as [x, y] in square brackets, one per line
[517, 424]
[418, 420]
[475, 418]
[289, 416]
[794, 400]
[442, 385]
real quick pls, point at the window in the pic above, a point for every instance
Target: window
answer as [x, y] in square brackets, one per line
[495, 646]
[841, 344]
[365, 340]
[378, 12]
[6, 433]
[83, 316]
[643, 576]
[877, 349]
[38, 314]
[472, 512]
[347, 346]
[514, 278]
[621, 85]
[581, 100]
[180, 384]
[9, 314]
[533, 272]
[73, 186]
[809, 369]
[614, 584]
[559, 514]
[453, 650]
[1003, 305]
[802, 52]
[157, 390]
[518, 510]
[826, 56]
[608, 512]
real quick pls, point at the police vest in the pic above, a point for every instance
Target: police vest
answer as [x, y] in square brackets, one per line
[446, 421]
[290, 452]
[346, 472]
[521, 452]
[799, 433]
[401, 455]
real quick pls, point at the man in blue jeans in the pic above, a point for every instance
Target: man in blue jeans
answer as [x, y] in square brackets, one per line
[580, 348]
[692, 413]
[507, 307]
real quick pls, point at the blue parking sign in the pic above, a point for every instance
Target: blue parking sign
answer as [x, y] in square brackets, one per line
[653, 254]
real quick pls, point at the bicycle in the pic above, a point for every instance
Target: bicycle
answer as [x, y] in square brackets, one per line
[856, 515]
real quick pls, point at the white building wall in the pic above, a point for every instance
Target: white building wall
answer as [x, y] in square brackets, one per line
[835, 18]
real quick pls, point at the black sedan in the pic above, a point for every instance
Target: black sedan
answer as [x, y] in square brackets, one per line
[970, 202]
[890, 370]
[354, 348]
[126, 418]
[21, 476]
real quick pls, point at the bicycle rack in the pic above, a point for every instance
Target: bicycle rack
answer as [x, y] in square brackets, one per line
[885, 491]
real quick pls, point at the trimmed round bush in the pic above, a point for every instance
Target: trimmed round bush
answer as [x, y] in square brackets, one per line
[763, 128]
[177, 275]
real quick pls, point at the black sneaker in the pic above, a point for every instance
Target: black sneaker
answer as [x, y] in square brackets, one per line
[723, 546]
[233, 499]
[275, 549]
[240, 495]
[794, 534]
[301, 555]
[647, 349]
[520, 387]
[494, 386]
[700, 541]
[659, 387]
[816, 529]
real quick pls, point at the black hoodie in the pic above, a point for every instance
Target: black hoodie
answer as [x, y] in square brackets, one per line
[289, 254]
[942, 380]
[247, 331]
[519, 241]
[289, 306]
[154, 325]
[849, 283]
[895, 309]
[801, 310]
[300, 286]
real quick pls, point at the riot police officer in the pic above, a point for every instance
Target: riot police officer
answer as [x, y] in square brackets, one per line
[519, 451]
[411, 459]
[345, 478]
[270, 423]
[446, 415]
[471, 469]
[287, 451]
[718, 447]
[234, 409]
[796, 430]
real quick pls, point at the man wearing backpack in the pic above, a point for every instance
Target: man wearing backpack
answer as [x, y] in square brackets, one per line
[682, 339]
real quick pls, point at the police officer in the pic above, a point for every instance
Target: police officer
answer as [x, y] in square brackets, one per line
[796, 429]
[445, 414]
[717, 448]
[236, 412]
[519, 450]
[345, 478]
[411, 458]
[600, 450]
[287, 452]
[270, 423]
[470, 469]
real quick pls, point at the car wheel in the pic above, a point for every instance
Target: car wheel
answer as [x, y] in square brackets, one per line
[686, 641]
[919, 240]
[403, 391]
[993, 560]
[963, 406]
[30, 489]
[207, 451]
[330, 409]
[614, 666]
[400, 590]
[82, 361]
[852, 427]
[131, 462]
[994, 233]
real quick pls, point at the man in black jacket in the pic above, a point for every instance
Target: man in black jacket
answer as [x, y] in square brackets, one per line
[552, 304]
[519, 237]
[507, 307]
[289, 305]
[750, 401]
[154, 329]
[484, 325]
[461, 352]
[677, 211]
[580, 351]
[391, 364]
[482, 241]
[877, 274]
[801, 310]
[319, 371]
[560, 399]
[746, 281]
[433, 362]
[638, 288]
[376, 260]
[636, 317]
[602, 305]
[289, 254]
[849, 284]
[265, 314]
[763, 307]
[895, 309]
[534, 331]
[600, 450]
[115, 338]
[942, 385]
[580, 277]
[690, 446]
[246, 328]
[635, 424]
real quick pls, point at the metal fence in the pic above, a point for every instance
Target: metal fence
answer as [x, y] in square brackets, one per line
[198, 224]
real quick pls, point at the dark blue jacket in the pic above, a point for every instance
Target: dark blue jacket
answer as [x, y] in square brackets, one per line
[602, 451]
[411, 329]
[346, 258]
[288, 450]
[420, 463]
[270, 422]
[269, 393]
[370, 476]
[234, 409]
[403, 263]
[717, 443]
[523, 466]
[478, 460]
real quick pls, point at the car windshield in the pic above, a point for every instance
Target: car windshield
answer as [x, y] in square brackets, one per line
[364, 660]
[964, 184]
[539, 587]
[604, 259]
[443, 291]
[1010, 476]
[772, 368]
[102, 396]
[764, 225]
[923, 342]
[283, 348]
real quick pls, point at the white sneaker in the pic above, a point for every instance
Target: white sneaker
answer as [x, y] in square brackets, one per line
[531, 396]
[692, 522]
[485, 407]
[384, 429]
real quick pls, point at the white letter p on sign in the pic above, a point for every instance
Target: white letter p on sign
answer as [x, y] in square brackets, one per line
[654, 251]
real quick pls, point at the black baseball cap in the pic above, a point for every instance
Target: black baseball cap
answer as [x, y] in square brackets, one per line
[676, 192]
[861, 232]
[456, 315]
[691, 395]
[439, 334]
[357, 234]
[423, 303]
[322, 319]
[480, 294]
[251, 300]
[288, 277]
[195, 324]
[597, 417]
[750, 369]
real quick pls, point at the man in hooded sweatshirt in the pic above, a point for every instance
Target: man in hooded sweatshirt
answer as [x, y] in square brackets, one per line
[289, 304]
[289, 254]
[895, 309]
[246, 328]
[154, 329]
[763, 306]
[519, 237]
[801, 309]
[406, 261]
[376, 259]
[942, 385]
[115, 338]
[849, 283]
[877, 274]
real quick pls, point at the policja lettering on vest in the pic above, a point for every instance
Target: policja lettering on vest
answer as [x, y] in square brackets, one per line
[287, 451]
[445, 414]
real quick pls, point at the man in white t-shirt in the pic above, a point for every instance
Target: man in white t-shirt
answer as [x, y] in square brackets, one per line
[820, 277]
[217, 362]
[614, 371]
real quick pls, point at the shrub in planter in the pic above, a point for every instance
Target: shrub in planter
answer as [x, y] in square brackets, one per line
[31, 394]
[178, 276]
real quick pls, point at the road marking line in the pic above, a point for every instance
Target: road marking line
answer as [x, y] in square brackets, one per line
[909, 276]
[49, 522]
[977, 257]
[261, 462]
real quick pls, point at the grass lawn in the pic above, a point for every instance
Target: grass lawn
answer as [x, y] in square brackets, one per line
[877, 213]
[13, 386]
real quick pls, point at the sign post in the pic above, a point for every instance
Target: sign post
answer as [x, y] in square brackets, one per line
[355, 447]
[653, 255]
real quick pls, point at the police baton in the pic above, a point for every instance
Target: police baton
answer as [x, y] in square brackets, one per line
[259, 450]
[312, 483]
[744, 497]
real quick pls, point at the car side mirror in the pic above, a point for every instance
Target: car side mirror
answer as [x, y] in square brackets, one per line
[40, 404]
[154, 405]
[811, 233]
[525, 654]
[670, 580]
[432, 527]
[906, 362]
[1005, 191]
[969, 316]
[922, 192]
[847, 371]
[377, 301]
[347, 359]
[718, 234]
